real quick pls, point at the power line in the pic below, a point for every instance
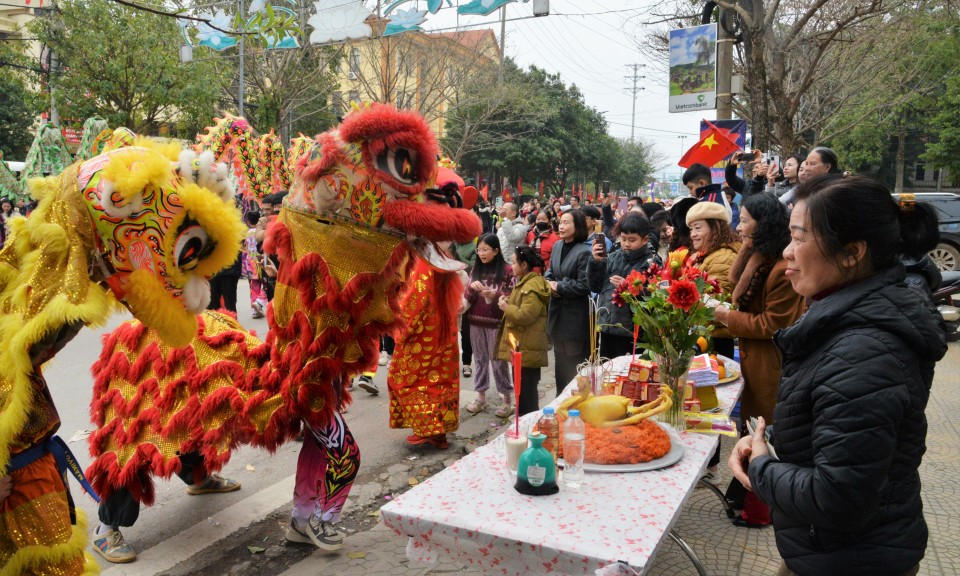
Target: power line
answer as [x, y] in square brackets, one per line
[653, 129]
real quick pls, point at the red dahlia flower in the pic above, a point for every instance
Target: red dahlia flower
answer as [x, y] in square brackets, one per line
[683, 294]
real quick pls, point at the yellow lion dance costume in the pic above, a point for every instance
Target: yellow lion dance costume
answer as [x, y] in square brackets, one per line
[143, 225]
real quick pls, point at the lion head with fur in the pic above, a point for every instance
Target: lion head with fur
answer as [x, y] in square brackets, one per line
[149, 221]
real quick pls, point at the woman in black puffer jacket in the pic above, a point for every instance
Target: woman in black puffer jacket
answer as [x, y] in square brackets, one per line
[857, 369]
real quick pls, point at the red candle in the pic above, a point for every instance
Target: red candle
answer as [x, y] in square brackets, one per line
[517, 359]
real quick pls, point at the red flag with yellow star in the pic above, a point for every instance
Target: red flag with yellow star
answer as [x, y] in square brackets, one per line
[713, 147]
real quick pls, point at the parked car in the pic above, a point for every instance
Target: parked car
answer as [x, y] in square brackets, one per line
[947, 253]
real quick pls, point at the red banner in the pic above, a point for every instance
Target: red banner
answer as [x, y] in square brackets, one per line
[72, 135]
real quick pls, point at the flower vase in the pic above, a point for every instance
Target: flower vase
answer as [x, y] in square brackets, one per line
[673, 374]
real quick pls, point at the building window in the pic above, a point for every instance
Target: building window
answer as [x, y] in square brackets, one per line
[921, 172]
[403, 65]
[354, 96]
[354, 63]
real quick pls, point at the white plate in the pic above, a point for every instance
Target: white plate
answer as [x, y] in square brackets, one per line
[668, 459]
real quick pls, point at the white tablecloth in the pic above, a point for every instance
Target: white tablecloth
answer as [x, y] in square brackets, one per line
[613, 525]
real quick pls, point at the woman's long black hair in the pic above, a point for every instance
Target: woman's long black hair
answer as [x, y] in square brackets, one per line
[497, 267]
[770, 236]
[772, 233]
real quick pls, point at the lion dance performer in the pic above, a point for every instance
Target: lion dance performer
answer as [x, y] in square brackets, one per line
[363, 202]
[145, 225]
[424, 379]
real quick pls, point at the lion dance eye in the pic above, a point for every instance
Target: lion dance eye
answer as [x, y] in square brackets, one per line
[192, 245]
[399, 163]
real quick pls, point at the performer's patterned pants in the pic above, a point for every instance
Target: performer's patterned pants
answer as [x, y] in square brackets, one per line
[328, 464]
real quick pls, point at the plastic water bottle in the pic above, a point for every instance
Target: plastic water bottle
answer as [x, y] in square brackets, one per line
[549, 426]
[574, 444]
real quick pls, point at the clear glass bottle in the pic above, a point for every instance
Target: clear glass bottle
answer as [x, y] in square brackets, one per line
[574, 446]
[549, 426]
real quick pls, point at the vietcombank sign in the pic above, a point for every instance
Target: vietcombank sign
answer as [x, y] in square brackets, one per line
[693, 68]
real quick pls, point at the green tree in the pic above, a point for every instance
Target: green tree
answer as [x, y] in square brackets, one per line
[485, 113]
[124, 65]
[893, 119]
[17, 116]
[289, 89]
[943, 152]
[638, 160]
[535, 127]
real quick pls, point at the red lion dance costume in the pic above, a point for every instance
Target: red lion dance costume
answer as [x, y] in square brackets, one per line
[424, 376]
[364, 200]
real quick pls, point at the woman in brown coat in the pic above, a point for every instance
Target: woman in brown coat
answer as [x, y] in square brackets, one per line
[764, 301]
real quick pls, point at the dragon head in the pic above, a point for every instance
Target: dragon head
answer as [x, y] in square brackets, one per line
[379, 169]
[165, 222]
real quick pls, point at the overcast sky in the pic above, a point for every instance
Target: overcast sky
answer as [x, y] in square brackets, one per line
[588, 42]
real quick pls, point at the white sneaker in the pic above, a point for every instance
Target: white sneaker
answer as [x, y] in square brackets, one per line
[384, 358]
[321, 534]
[113, 547]
[368, 385]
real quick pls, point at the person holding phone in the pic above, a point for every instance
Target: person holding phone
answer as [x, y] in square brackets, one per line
[606, 271]
[753, 164]
[782, 188]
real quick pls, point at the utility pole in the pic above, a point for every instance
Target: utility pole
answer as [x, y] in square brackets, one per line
[503, 40]
[634, 91]
[724, 61]
[682, 149]
[724, 74]
[240, 89]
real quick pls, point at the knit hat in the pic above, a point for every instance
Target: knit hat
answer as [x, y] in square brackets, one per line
[678, 214]
[710, 206]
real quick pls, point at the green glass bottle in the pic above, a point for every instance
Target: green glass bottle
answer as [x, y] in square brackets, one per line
[537, 471]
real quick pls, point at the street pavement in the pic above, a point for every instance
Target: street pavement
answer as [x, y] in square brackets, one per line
[241, 533]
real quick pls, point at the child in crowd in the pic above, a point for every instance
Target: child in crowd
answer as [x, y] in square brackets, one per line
[251, 266]
[606, 273]
[525, 321]
[491, 278]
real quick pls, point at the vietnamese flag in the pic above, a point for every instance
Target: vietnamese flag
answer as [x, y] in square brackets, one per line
[485, 192]
[713, 147]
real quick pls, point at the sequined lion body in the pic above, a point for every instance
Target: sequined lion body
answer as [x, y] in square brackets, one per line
[363, 200]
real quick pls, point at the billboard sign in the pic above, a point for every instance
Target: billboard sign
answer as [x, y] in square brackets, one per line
[693, 68]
